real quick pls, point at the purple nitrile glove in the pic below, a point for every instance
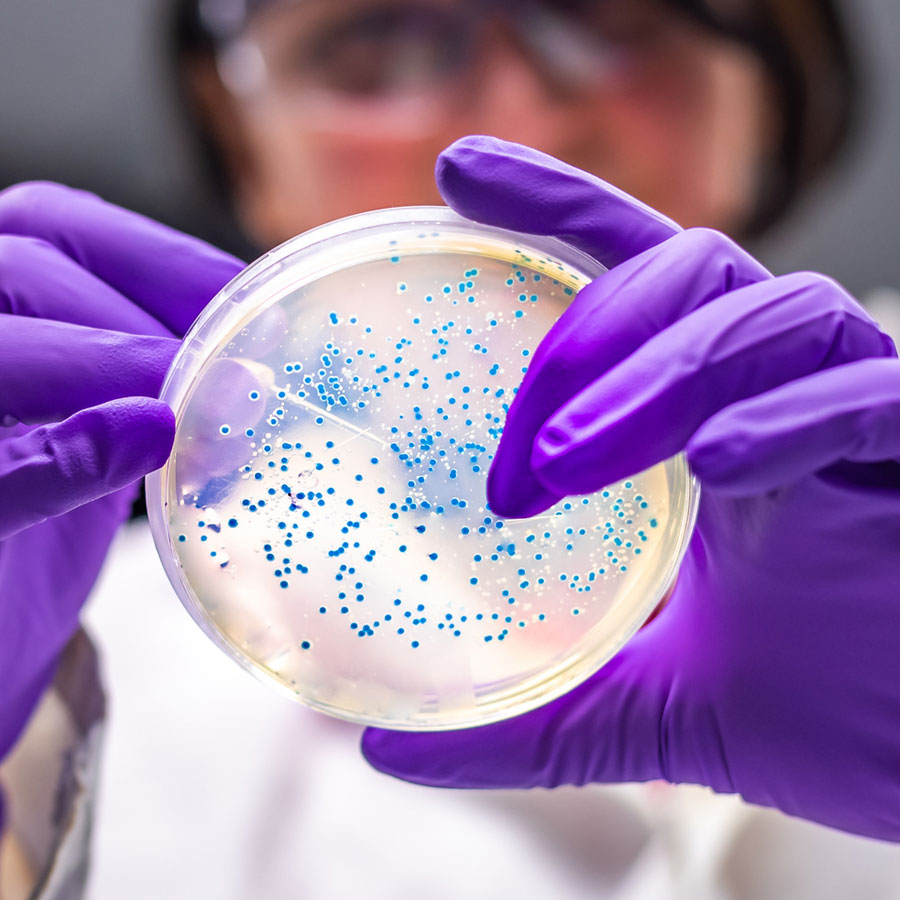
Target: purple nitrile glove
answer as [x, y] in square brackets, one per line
[774, 671]
[90, 296]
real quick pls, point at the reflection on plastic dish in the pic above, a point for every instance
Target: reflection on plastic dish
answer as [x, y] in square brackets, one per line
[323, 513]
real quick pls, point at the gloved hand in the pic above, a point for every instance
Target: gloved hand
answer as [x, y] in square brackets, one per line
[90, 296]
[774, 671]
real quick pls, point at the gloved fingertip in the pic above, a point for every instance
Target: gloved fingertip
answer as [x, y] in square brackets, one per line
[701, 454]
[462, 153]
[496, 182]
[475, 150]
[513, 497]
[392, 753]
[372, 744]
[464, 758]
[725, 470]
[456, 173]
[131, 437]
[159, 426]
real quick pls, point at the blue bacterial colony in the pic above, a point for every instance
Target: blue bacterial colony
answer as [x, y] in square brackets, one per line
[343, 541]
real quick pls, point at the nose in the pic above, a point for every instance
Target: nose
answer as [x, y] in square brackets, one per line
[515, 97]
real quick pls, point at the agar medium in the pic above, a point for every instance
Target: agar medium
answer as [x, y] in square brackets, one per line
[323, 513]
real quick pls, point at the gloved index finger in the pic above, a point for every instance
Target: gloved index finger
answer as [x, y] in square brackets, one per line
[608, 321]
[511, 186]
[169, 274]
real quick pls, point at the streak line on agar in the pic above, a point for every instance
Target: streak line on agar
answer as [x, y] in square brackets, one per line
[336, 420]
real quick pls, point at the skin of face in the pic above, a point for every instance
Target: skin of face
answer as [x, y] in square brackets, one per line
[681, 120]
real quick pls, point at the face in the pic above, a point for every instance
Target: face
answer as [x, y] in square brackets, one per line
[325, 109]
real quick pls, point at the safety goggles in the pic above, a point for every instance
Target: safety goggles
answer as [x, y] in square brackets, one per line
[383, 48]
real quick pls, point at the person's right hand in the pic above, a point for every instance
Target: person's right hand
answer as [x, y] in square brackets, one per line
[91, 299]
[774, 669]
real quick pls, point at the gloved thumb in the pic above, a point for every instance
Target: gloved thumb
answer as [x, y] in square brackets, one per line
[611, 728]
[54, 469]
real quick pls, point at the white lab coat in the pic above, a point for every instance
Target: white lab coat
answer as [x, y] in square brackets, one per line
[215, 786]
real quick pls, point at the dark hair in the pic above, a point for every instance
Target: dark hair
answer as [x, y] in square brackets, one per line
[190, 39]
[805, 49]
[802, 44]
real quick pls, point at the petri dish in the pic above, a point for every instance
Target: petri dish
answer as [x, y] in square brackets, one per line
[323, 515]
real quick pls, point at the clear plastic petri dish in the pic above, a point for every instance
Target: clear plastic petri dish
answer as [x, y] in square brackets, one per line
[323, 514]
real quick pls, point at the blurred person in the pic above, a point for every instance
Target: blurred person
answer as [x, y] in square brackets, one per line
[715, 114]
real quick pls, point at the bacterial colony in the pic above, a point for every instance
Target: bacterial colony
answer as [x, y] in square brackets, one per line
[329, 509]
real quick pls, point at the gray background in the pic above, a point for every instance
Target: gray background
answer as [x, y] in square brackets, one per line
[84, 99]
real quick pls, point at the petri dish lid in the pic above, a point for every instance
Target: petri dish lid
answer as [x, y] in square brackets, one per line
[323, 514]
